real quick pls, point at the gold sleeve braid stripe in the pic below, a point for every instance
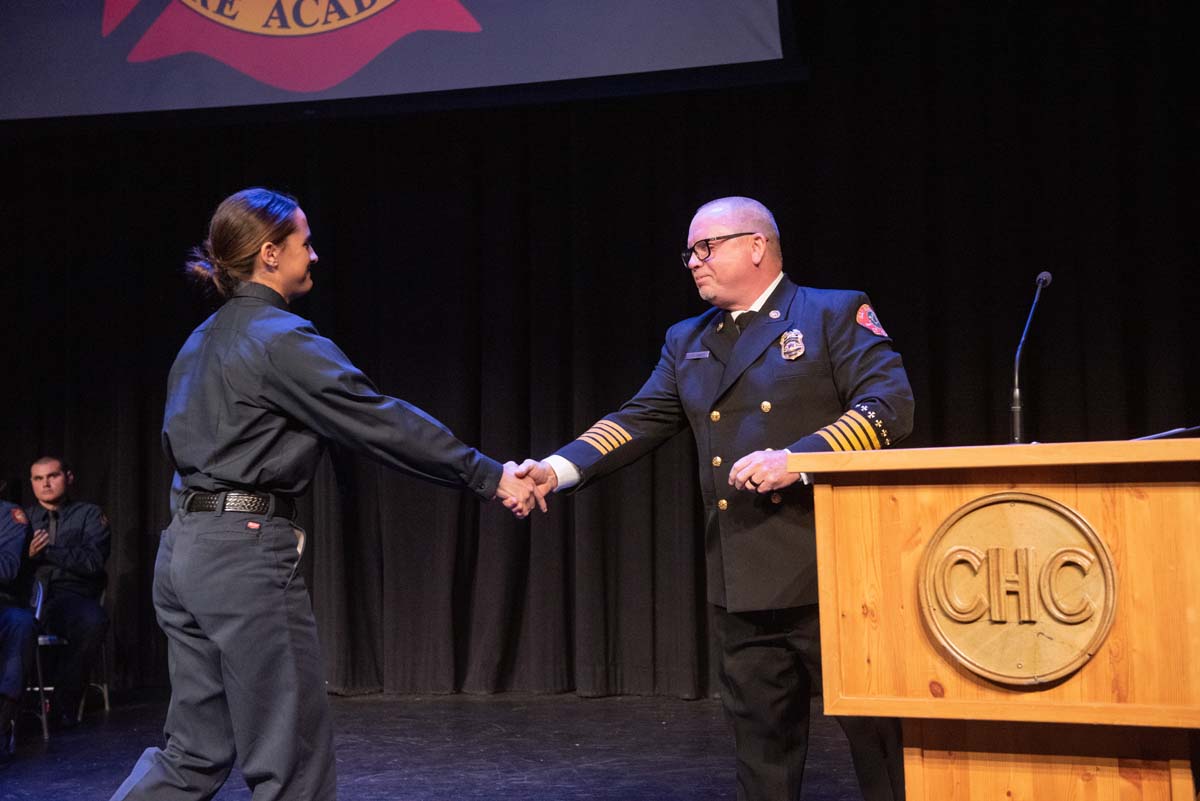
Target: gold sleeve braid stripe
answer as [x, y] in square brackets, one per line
[835, 438]
[850, 432]
[865, 433]
[605, 436]
[833, 443]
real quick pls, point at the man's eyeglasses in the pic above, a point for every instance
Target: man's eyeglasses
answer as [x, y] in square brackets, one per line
[703, 247]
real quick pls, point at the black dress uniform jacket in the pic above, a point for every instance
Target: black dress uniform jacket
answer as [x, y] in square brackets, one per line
[846, 390]
[301, 390]
[82, 543]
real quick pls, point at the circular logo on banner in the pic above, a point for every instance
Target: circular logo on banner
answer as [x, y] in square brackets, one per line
[290, 18]
[1018, 588]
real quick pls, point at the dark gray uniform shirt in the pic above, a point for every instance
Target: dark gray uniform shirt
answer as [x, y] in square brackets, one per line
[255, 391]
[74, 562]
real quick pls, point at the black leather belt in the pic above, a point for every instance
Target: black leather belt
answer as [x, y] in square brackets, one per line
[255, 503]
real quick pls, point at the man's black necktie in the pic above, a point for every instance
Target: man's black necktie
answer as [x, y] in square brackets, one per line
[738, 324]
[52, 527]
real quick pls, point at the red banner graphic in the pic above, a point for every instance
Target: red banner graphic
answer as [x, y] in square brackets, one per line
[114, 12]
[297, 45]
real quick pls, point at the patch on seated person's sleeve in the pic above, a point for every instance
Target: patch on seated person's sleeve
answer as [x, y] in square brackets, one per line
[867, 318]
[605, 436]
[18, 516]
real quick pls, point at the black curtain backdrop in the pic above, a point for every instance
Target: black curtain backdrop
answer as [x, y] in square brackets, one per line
[512, 270]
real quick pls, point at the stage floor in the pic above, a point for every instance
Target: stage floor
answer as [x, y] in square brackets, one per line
[509, 747]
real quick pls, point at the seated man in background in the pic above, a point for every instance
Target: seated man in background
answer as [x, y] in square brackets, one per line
[69, 548]
[17, 635]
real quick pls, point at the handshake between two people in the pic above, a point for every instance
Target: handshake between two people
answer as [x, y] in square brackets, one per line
[526, 485]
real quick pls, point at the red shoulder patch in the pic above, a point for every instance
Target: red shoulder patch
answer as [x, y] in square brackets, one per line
[867, 319]
[19, 517]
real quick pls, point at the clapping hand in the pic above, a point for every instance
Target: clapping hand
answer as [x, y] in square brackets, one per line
[41, 538]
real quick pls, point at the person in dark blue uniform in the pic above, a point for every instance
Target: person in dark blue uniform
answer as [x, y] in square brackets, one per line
[252, 398]
[70, 546]
[17, 628]
[773, 368]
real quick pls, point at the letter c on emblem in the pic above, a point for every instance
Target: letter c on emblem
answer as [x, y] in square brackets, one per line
[951, 604]
[1061, 558]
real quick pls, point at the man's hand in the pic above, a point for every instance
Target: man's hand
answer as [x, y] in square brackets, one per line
[762, 471]
[41, 538]
[544, 478]
[517, 493]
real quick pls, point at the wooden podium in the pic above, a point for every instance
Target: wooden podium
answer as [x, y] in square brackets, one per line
[929, 596]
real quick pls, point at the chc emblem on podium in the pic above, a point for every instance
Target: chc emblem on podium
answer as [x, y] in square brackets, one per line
[1018, 588]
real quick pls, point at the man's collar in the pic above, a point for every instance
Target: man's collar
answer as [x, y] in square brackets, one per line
[762, 299]
[253, 289]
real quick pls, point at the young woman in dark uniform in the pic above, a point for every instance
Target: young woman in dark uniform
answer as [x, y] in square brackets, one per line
[252, 397]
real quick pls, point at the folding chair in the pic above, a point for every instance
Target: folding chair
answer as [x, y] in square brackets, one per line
[37, 602]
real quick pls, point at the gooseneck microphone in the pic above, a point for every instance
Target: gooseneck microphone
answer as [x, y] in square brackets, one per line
[1018, 435]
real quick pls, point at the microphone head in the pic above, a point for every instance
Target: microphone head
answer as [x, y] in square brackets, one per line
[1044, 278]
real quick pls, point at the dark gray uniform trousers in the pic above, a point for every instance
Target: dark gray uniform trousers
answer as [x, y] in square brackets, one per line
[247, 679]
[770, 662]
[83, 622]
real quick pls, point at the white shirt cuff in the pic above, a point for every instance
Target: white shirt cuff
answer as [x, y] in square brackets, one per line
[568, 473]
[805, 478]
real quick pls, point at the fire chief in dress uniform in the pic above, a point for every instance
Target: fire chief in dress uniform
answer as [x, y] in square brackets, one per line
[772, 368]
